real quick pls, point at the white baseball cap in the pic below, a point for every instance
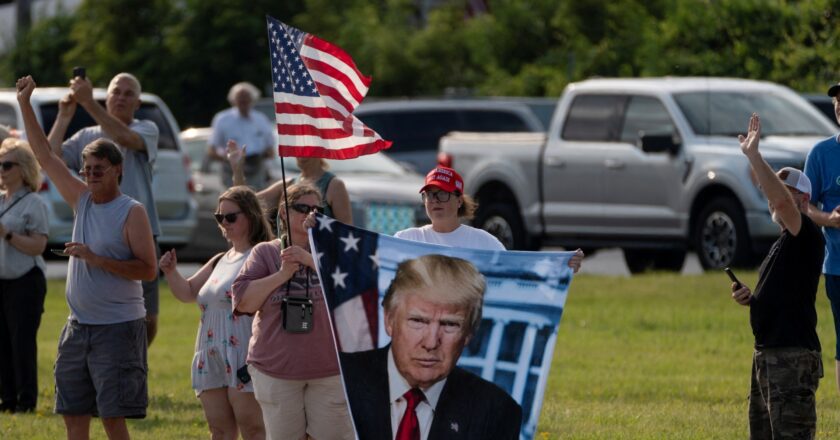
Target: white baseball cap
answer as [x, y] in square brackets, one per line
[795, 179]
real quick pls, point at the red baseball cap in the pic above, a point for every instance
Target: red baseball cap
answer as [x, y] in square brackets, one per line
[444, 178]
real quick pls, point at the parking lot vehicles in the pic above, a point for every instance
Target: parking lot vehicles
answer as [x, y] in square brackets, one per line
[384, 195]
[172, 186]
[650, 165]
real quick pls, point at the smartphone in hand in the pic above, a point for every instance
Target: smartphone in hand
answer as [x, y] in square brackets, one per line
[60, 252]
[79, 71]
[733, 277]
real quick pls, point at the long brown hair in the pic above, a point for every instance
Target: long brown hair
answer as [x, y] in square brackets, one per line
[245, 198]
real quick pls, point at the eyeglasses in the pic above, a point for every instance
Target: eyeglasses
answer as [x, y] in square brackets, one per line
[303, 208]
[8, 165]
[448, 326]
[96, 171]
[229, 217]
[440, 196]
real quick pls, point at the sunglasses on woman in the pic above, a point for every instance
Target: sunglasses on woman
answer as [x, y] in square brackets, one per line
[229, 217]
[303, 208]
[8, 165]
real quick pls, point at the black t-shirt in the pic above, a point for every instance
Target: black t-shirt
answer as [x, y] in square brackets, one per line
[782, 312]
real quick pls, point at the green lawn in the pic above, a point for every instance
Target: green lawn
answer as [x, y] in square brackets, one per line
[655, 356]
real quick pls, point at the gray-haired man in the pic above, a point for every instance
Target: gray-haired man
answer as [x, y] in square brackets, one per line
[137, 140]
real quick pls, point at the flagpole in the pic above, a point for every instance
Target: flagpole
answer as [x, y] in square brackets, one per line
[285, 200]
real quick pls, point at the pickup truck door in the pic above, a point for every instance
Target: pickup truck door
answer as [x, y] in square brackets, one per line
[643, 189]
[573, 170]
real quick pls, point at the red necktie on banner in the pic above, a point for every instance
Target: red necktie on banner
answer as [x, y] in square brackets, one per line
[409, 426]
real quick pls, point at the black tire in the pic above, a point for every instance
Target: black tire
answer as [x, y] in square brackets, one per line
[638, 260]
[642, 260]
[503, 222]
[720, 235]
[670, 260]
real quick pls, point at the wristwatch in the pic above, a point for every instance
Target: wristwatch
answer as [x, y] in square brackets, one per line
[9, 236]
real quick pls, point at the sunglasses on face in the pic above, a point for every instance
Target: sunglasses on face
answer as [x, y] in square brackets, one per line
[93, 172]
[303, 208]
[7, 165]
[229, 217]
[440, 196]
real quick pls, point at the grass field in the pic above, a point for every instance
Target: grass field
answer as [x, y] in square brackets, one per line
[650, 357]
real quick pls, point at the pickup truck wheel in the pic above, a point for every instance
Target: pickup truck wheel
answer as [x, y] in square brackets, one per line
[720, 235]
[638, 260]
[670, 260]
[503, 222]
[641, 260]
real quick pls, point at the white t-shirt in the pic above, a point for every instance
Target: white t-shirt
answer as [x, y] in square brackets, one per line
[465, 237]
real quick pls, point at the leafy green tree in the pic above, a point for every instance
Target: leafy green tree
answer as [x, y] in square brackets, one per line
[40, 53]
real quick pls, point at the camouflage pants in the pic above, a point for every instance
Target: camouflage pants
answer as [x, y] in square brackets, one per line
[782, 393]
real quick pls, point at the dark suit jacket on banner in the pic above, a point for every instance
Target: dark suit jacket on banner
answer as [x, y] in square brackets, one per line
[469, 406]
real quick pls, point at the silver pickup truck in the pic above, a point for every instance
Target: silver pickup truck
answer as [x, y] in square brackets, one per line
[649, 165]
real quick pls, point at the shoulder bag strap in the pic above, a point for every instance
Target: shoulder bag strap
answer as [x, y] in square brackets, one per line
[14, 203]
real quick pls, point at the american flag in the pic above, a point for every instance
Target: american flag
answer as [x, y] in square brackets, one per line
[316, 89]
[349, 270]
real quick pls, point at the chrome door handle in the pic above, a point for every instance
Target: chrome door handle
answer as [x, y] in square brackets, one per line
[614, 164]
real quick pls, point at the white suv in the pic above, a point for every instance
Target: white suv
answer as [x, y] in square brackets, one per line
[172, 186]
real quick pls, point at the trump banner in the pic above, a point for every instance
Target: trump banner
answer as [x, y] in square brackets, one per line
[511, 345]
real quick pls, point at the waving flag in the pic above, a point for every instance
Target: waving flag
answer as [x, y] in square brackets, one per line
[316, 89]
[525, 296]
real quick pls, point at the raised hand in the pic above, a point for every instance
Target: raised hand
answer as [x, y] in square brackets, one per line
[749, 144]
[82, 90]
[168, 261]
[235, 155]
[25, 86]
[66, 106]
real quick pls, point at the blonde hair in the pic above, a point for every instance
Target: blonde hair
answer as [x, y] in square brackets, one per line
[23, 155]
[439, 279]
[468, 207]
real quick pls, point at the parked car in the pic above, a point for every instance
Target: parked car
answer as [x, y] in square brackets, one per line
[824, 104]
[415, 126]
[384, 195]
[171, 179]
[649, 165]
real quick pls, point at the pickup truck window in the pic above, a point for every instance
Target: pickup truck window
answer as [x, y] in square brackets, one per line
[724, 113]
[8, 116]
[594, 118]
[645, 115]
[82, 119]
[413, 130]
[492, 121]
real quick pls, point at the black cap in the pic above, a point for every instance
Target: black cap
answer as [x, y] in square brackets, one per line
[834, 90]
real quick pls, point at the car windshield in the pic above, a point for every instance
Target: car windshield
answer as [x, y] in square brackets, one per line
[727, 113]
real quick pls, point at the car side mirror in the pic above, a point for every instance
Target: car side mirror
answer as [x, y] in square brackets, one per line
[659, 143]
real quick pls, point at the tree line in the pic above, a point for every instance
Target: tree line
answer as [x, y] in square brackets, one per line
[191, 51]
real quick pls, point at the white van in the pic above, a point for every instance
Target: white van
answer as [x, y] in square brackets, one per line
[172, 185]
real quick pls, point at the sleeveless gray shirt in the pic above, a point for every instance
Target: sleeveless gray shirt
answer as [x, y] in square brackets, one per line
[96, 296]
